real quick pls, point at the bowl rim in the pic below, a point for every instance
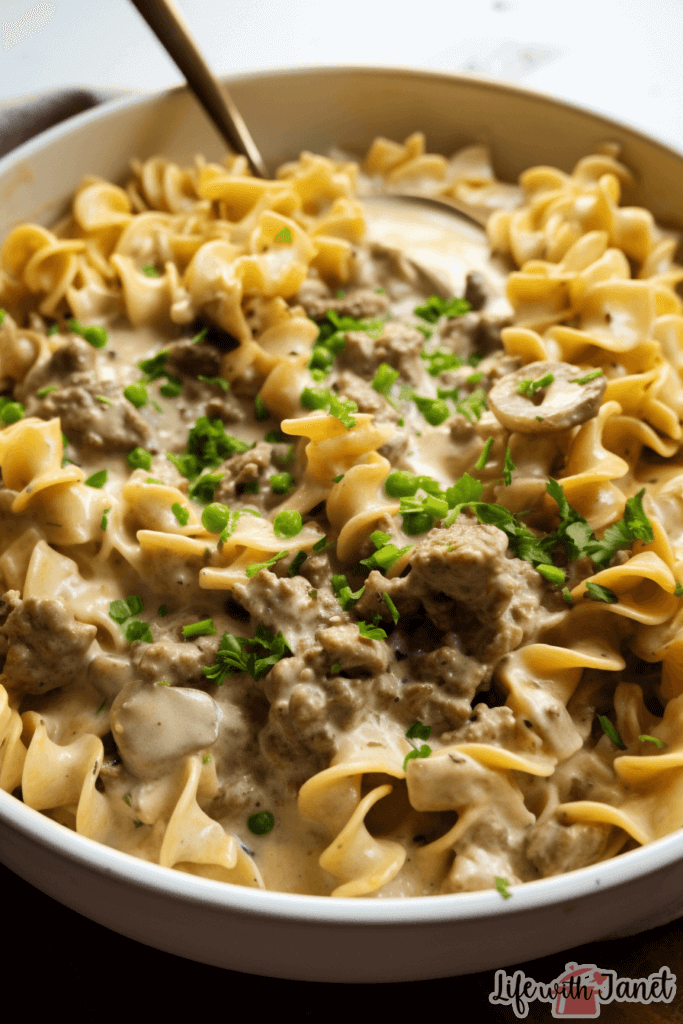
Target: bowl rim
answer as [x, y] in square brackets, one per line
[556, 890]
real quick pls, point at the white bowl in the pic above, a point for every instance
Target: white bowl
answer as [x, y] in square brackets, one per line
[307, 937]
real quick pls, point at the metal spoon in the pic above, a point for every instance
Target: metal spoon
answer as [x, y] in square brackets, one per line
[168, 24]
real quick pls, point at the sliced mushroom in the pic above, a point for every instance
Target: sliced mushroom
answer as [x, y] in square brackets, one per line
[155, 725]
[561, 404]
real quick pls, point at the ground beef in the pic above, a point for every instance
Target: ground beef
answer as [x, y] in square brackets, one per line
[359, 303]
[399, 345]
[114, 425]
[185, 357]
[554, 848]
[350, 385]
[74, 358]
[246, 476]
[179, 664]
[46, 646]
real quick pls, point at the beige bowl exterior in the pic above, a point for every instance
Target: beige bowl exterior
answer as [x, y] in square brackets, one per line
[306, 937]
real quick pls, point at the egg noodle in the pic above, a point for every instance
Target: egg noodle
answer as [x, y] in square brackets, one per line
[412, 623]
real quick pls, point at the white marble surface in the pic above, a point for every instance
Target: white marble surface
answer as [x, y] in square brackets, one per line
[621, 57]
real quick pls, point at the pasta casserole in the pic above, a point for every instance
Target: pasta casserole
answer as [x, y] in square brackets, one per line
[319, 577]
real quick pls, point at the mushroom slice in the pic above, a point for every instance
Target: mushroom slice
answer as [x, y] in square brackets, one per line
[520, 404]
[154, 726]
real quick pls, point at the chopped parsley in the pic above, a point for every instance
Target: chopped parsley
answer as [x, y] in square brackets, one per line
[645, 738]
[97, 479]
[391, 606]
[138, 630]
[207, 759]
[298, 560]
[530, 387]
[123, 609]
[260, 407]
[332, 339]
[149, 270]
[284, 236]
[343, 592]
[610, 730]
[104, 521]
[42, 392]
[154, 367]
[199, 336]
[341, 408]
[52, 330]
[473, 405]
[435, 307]
[508, 468]
[600, 593]
[589, 376]
[371, 632]
[335, 666]
[417, 731]
[387, 553]
[253, 657]
[337, 479]
[502, 887]
[172, 387]
[678, 592]
[567, 595]
[256, 567]
[439, 360]
[94, 335]
[203, 628]
[181, 513]
[101, 707]
[263, 822]
[162, 610]
[485, 453]
[103, 399]
[225, 385]
[207, 446]
[204, 489]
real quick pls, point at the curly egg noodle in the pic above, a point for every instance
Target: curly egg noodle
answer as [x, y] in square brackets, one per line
[358, 643]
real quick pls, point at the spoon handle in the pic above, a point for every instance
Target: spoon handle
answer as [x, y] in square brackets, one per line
[167, 23]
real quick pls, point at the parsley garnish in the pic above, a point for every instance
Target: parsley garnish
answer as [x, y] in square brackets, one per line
[610, 730]
[199, 336]
[120, 610]
[207, 445]
[434, 410]
[502, 887]
[284, 236]
[225, 384]
[371, 632]
[281, 483]
[204, 489]
[162, 610]
[508, 468]
[296, 563]
[256, 567]
[104, 521]
[391, 606]
[435, 307]
[138, 630]
[42, 392]
[484, 457]
[652, 739]
[589, 376]
[439, 360]
[600, 593]
[332, 339]
[417, 731]
[203, 628]
[321, 398]
[260, 407]
[567, 595]
[343, 592]
[149, 270]
[181, 513]
[52, 329]
[206, 759]
[239, 654]
[139, 458]
[473, 405]
[97, 479]
[386, 555]
[530, 387]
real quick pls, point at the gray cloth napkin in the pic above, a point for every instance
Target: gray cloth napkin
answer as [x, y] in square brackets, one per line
[27, 116]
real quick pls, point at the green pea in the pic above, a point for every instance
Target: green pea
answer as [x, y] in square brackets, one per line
[215, 517]
[401, 484]
[288, 524]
